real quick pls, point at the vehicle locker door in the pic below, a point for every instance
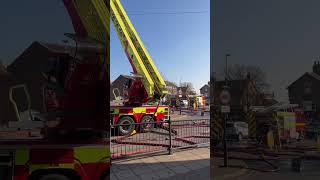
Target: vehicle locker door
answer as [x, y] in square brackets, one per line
[6, 165]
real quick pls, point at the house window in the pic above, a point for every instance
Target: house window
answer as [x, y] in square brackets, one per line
[307, 87]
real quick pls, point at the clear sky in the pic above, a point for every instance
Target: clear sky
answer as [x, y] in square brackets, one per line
[279, 36]
[23, 22]
[178, 43]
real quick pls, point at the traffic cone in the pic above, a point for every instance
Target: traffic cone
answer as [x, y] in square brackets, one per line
[270, 140]
[133, 132]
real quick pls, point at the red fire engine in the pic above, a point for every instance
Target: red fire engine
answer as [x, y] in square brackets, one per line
[146, 88]
[70, 139]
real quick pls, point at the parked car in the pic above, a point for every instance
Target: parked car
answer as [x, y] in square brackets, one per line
[237, 130]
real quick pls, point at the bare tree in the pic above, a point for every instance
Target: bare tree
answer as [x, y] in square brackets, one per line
[240, 71]
[2, 67]
[189, 87]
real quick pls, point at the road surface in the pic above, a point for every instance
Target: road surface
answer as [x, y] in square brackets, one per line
[278, 176]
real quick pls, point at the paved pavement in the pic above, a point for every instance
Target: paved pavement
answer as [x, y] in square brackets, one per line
[198, 174]
[222, 173]
[193, 163]
[188, 164]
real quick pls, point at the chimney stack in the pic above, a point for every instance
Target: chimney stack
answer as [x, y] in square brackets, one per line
[316, 67]
[248, 76]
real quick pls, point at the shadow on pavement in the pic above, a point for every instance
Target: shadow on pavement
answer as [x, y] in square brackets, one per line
[192, 164]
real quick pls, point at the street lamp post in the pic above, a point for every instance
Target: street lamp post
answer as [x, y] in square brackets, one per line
[226, 118]
[226, 74]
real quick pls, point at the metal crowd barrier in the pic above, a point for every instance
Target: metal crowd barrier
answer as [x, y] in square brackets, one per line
[154, 137]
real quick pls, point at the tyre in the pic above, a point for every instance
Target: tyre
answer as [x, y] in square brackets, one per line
[53, 177]
[126, 125]
[145, 126]
[106, 176]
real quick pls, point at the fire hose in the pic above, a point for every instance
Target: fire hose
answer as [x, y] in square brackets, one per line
[261, 157]
[266, 156]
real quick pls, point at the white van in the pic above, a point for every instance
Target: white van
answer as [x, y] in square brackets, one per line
[237, 130]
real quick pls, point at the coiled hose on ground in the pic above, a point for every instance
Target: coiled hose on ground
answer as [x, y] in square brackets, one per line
[265, 155]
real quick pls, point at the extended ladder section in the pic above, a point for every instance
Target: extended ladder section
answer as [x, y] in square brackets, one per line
[138, 56]
[91, 19]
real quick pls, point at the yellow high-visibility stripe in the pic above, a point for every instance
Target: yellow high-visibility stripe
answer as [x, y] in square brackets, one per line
[92, 154]
[139, 110]
[116, 111]
[300, 124]
[34, 167]
[21, 156]
[285, 114]
[160, 109]
[123, 114]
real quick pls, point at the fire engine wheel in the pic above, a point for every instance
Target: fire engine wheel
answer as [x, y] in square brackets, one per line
[126, 125]
[146, 123]
[53, 177]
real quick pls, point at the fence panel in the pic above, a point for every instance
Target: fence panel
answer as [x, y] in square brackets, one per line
[154, 137]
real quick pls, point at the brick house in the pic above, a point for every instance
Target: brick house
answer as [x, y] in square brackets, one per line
[205, 91]
[6, 110]
[121, 80]
[172, 88]
[305, 90]
[119, 84]
[27, 69]
[244, 93]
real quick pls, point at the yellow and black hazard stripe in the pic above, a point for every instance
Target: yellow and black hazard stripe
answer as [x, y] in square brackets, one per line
[252, 123]
[217, 125]
[274, 117]
[178, 102]
[275, 121]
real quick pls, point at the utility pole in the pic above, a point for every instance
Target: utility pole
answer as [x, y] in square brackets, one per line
[226, 117]
[226, 74]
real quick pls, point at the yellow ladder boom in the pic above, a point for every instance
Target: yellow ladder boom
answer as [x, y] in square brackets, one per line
[136, 52]
[93, 16]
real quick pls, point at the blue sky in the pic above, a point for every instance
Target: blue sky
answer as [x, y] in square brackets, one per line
[281, 37]
[23, 22]
[179, 44]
